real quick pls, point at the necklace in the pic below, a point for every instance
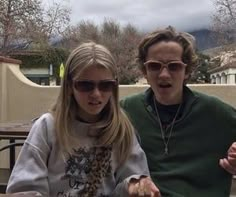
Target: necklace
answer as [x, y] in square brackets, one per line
[166, 141]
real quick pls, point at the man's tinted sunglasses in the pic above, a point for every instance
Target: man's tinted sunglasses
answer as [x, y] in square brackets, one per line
[172, 66]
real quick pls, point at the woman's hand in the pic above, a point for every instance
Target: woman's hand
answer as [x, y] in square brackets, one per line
[143, 187]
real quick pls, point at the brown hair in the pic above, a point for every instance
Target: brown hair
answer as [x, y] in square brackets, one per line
[185, 40]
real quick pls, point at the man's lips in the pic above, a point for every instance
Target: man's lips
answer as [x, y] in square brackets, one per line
[164, 85]
[95, 103]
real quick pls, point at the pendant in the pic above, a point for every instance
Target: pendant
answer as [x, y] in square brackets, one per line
[166, 150]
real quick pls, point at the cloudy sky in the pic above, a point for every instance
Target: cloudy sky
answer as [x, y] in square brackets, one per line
[146, 15]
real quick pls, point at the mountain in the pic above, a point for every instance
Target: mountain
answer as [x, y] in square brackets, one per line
[205, 39]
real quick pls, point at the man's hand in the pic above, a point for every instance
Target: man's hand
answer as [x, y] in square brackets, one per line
[229, 163]
[143, 187]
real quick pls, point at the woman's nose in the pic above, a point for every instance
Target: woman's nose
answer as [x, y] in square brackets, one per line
[95, 92]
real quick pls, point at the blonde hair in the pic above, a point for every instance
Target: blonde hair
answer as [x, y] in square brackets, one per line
[115, 126]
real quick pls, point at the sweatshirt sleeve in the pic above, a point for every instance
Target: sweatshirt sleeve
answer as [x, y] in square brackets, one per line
[134, 168]
[30, 171]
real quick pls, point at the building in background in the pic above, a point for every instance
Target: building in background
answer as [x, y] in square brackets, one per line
[225, 73]
[40, 76]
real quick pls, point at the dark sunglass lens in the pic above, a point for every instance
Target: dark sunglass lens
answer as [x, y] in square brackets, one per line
[106, 86]
[175, 66]
[84, 86]
[154, 66]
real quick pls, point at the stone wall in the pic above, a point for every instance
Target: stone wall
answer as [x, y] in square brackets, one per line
[23, 100]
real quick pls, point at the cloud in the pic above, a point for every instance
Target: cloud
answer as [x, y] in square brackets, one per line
[146, 15]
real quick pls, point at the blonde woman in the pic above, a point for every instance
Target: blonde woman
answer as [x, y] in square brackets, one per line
[86, 145]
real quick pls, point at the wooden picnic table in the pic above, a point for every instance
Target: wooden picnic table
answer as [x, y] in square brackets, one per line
[18, 129]
[14, 131]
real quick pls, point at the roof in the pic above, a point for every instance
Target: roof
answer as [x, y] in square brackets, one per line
[221, 68]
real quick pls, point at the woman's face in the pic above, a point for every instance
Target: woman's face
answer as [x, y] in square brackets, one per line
[92, 90]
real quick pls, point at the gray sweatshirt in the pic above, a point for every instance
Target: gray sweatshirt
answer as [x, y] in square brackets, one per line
[91, 171]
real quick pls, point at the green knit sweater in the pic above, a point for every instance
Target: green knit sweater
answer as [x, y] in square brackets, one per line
[200, 138]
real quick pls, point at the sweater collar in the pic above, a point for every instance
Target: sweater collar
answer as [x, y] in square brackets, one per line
[85, 129]
[189, 97]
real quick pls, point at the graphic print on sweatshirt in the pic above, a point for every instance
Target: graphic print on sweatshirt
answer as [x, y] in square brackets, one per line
[85, 171]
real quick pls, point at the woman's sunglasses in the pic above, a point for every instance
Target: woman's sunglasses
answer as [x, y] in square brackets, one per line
[172, 66]
[90, 85]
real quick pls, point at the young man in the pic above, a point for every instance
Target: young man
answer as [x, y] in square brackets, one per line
[188, 137]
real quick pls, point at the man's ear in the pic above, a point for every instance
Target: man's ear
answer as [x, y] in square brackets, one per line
[145, 76]
[144, 72]
[186, 76]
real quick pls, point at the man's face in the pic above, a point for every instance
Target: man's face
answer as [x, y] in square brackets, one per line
[165, 71]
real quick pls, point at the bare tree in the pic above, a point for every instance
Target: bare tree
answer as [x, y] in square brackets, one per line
[13, 14]
[127, 65]
[121, 41]
[87, 30]
[110, 35]
[27, 21]
[81, 32]
[224, 20]
[54, 20]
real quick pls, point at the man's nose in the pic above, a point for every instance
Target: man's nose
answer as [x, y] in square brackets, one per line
[164, 73]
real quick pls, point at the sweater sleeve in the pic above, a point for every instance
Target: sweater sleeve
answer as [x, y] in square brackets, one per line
[134, 168]
[30, 171]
